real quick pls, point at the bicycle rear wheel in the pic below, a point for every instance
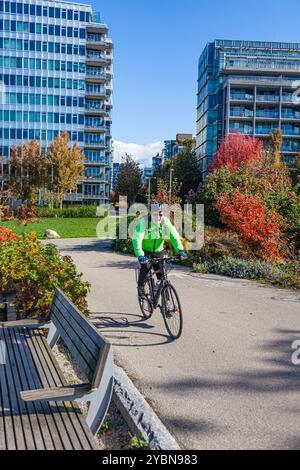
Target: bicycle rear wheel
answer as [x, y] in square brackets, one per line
[146, 305]
[171, 311]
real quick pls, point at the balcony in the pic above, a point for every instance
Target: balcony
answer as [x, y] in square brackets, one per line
[268, 98]
[287, 98]
[93, 179]
[100, 44]
[96, 75]
[290, 149]
[97, 59]
[264, 130]
[73, 197]
[242, 130]
[266, 115]
[94, 197]
[241, 97]
[294, 132]
[261, 64]
[99, 162]
[95, 94]
[97, 28]
[290, 116]
[95, 109]
[95, 144]
[95, 128]
[241, 114]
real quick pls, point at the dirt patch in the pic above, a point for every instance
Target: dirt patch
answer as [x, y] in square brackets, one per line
[114, 432]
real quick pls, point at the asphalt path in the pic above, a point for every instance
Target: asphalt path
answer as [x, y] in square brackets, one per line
[229, 382]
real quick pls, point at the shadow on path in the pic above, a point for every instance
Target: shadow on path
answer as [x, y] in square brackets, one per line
[126, 329]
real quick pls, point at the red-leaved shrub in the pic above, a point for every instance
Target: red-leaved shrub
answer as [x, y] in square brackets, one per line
[236, 149]
[258, 228]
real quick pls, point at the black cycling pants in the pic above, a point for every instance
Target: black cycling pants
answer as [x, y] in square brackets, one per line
[158, 267]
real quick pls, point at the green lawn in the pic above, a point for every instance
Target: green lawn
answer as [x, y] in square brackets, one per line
[66, 228]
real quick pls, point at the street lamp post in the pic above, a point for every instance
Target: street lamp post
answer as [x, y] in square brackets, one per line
[171, 183]
[149, 189]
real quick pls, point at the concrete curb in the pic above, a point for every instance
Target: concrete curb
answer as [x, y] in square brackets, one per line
[140, 417]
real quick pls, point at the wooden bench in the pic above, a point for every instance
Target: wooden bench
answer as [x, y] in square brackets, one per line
[38, 408]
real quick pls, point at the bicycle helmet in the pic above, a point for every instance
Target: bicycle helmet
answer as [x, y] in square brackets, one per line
[156, 206]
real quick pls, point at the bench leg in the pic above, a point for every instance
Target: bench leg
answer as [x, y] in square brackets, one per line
[100, 398]
[53, 336]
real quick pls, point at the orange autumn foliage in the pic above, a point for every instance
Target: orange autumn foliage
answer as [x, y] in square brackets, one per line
[6, 235]
[258, 229]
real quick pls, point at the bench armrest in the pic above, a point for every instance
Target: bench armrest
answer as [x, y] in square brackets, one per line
[57, 393]
[26, 323]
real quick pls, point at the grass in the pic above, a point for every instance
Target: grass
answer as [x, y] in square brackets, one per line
[66, 228]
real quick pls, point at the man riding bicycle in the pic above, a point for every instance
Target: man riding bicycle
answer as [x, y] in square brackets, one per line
[148, 243]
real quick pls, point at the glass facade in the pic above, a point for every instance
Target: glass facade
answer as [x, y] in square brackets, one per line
[247, 87]
[55, 76]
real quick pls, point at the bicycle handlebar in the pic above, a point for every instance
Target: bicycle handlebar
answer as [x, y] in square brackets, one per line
[165, 258]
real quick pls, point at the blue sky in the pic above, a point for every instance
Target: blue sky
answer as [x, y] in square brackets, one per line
[157, 46]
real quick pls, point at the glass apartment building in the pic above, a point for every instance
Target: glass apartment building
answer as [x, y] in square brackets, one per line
[173, 147]
[248, 87]
[55, 76]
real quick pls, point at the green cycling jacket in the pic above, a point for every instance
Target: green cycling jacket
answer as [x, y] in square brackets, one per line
[153, 239]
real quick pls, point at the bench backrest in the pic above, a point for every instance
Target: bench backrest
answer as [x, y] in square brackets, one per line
[88, 348]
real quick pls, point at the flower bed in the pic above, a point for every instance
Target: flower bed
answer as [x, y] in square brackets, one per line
[32, 271]
[283, 274]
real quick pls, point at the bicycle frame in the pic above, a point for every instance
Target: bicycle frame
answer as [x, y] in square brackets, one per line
[163, 282]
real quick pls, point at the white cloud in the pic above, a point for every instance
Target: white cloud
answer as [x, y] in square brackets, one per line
[141, 153]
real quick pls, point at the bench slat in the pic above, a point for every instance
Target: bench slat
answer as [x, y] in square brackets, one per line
[61, 313]
[87, 363]
[2, 419]
[39, 421]
[55, 408]
[31, 429]
[15, 408]
[6, 408]
[76, 345]
[69, 309]
[56, 393]
[35, 382]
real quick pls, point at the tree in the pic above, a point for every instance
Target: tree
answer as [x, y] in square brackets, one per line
[65, 166]
[186, 169]
[130, 179]
[237, 149]
[163, 192]
[28, 172]
[273, 149]
[295, 174]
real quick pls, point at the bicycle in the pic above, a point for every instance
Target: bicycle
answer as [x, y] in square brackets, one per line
[170, 306]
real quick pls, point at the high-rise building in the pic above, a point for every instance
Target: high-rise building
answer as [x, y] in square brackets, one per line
[156, 162]
[147, 173]
[56, 75]
[173, 147]
[247, 87]
[115, 174]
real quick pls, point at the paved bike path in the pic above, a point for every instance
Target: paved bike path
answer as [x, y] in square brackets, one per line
[229, 382]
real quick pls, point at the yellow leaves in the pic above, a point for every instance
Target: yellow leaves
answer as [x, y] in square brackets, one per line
[66, 164]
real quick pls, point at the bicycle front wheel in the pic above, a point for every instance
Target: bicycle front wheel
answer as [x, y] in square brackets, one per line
[146, 305]
[171, 311]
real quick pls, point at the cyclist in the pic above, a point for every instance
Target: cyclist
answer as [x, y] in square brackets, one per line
[148, 243]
